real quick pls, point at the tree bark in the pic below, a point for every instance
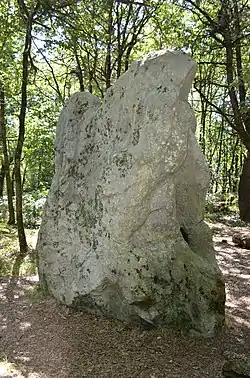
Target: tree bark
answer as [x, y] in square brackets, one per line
[244, 190]
[242, 122]
[108, 67]
[17, 168]
[11, 219]
[79, 71]
[13, 183]
[2, 177]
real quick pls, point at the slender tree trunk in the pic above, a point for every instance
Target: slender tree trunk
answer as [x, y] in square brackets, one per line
[11, 219]
[244, 194]
[233, 166]
[13, 183]
[218, 163]
[203, 127]
[92, 69]
[236, 173]
[79, 69]
[108, 67]
[2, 177]
[18, 179]
[224, 175]
[24, 177]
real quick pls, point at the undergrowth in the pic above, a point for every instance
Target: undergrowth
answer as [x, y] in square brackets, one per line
[9, 249]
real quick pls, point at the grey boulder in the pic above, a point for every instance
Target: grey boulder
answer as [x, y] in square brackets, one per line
[123, 232]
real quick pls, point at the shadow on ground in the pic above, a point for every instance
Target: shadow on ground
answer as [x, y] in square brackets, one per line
[45, 340]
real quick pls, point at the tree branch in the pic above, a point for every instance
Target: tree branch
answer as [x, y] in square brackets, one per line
[217, 108]
[127, 2]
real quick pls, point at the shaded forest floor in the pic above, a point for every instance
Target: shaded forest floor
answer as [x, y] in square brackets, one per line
[42, 339]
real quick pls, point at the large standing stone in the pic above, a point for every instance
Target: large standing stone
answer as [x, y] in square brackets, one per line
[123, 232]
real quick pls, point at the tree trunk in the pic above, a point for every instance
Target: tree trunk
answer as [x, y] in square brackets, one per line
[79, 71]
[13, 183]
[244, 190]
[218, 162]
[108, 66]
[11, 219]
[24, 177]
[241, 121]
[18, 178]
[2, 177]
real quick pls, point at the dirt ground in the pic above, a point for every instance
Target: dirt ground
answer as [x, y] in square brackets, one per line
[42, 339]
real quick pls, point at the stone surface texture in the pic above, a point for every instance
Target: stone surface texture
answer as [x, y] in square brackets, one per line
[123, 232]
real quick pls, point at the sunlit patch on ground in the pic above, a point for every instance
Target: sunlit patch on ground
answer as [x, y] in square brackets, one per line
[8, 370]
[235, 266]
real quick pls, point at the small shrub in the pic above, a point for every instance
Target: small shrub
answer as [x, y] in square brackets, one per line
[218, 203]
[8, 251]
[33, 208]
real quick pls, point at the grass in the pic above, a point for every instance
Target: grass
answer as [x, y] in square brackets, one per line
[9, 249]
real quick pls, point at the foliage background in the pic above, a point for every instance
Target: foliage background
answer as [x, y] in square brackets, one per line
[86, 45]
